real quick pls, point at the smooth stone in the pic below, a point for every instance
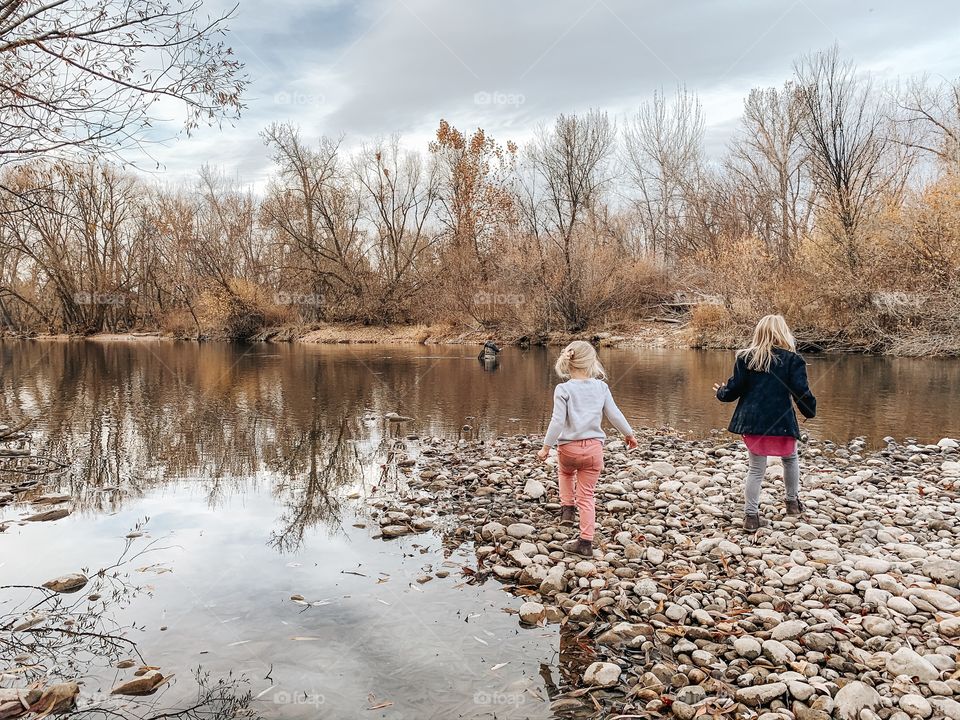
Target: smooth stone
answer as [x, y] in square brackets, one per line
[757, 695]
[907, 662]
[520, 530]
[878, 626]
[532, 612]
[70, 583]
[945, 707]
[602, 674]
[777, 652]
[915, 705]
[748, 647]
[853, 698]
[534, 489]
[789, 630]
[797, 575]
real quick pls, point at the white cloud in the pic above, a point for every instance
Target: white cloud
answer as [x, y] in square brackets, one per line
[373, 68]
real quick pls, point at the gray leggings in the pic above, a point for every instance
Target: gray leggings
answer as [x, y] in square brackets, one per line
[758, 465]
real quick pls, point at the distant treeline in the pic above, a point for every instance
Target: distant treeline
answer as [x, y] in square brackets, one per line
[837, 203]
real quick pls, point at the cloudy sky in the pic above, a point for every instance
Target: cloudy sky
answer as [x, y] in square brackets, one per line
[374, 67]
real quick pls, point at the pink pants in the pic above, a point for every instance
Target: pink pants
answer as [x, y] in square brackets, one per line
[579, 465]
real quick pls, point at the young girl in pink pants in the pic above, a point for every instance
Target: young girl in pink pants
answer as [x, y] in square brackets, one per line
[579, 405]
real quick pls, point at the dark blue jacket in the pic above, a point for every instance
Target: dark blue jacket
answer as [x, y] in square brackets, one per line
[766, 399]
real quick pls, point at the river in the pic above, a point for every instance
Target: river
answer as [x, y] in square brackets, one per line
[249, 461]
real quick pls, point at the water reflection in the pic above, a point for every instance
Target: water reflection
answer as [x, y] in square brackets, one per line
[238, 453]
[306, 420]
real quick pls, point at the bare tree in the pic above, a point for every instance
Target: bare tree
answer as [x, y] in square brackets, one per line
[769, 160]
[570, 170]
[663, 151]
[76, 230]
[933, 111]
[313, 211]
[85, 74]
[846, 132]
[399, 191]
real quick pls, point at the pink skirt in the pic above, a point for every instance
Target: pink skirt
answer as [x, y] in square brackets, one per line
[776, 445]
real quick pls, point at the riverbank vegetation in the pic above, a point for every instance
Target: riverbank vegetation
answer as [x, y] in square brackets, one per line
[836, 203]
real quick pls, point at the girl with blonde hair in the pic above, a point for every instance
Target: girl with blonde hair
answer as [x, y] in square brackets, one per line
[768, 378]
[579, 405]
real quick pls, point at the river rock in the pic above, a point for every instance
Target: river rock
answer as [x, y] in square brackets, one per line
[908, 662]
[797, 575]
[532, 612]
[853, 698]
[949, 627]
[939, 599]
[878, 626]
[944, 707]
[945, 572]
[67, 583]
[602, 674]
[757, 695]
[520, 530]
[49, 515]
[777, 652]
[395, 531]
[748, 647]
[915, 705]
[789, 630]
[493, 531]
[145, 684]
[534, 489]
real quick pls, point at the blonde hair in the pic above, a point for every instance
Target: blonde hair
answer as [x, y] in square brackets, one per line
[772, 331]
[579, 355]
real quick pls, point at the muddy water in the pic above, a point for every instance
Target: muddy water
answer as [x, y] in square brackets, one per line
[245, 459]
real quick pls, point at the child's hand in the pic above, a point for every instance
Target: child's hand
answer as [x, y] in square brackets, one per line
[716, 387]
[631, 442]
[543, 453]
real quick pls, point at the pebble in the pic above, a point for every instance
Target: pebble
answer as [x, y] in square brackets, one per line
[602, 674]
[908, 662]
[850, 612]
[854, 698]
[532, 612]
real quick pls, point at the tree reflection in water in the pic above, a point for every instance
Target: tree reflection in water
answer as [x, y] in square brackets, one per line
[52, 639]
[135, 416]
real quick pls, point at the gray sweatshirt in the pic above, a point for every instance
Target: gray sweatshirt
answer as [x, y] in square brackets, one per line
[578, 410]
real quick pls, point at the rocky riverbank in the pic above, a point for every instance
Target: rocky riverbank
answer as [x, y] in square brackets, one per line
[851, 612]
[637, 334]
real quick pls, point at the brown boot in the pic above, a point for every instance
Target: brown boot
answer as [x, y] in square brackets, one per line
[795, 507]
[581, 547]
[751, 522]
[568, 513]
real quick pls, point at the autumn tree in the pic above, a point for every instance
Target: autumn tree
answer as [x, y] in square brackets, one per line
[476, 198]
